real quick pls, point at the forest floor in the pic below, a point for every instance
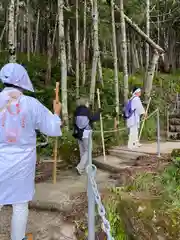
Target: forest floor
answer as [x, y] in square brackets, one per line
[56, 207]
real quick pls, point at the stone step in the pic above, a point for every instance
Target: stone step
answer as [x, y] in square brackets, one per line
[113, 164]
[174, 121]
[174, 135]
[125, 154]
[174, 115]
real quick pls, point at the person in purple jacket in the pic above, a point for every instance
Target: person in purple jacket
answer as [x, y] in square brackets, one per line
[83, 121]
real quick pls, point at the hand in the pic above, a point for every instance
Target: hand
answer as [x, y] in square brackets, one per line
[57, 107]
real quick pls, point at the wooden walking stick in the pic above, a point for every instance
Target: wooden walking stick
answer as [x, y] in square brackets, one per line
[101, 122]
[142, 126]
[56, 141]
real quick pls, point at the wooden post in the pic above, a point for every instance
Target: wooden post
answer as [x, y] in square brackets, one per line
[142, 126]
[56, 141]
[101, 122]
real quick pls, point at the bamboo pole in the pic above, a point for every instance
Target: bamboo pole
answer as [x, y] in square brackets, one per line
[56, 141]
[101, 122]
[142, 126]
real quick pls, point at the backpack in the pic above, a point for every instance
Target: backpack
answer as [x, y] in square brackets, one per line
[127, 110]
[78, 132]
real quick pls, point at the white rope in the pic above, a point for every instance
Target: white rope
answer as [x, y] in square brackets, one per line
[125, 128]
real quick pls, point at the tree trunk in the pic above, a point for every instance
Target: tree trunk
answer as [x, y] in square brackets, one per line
[11, 35]
[134, 55]
[69, 58]
[28, 32]
[95, 50]
[147, 32]
[54, 35]
[2, 34]
[49, 48]
[77, 49]
[158, 34]
[84, 46]
[37, 33]
[23, 36]
[63, 63]
[49, 57]
[116, 81]
[100, 71]
[150, 75]
[141, 33]
[16, 24]
[124, 51]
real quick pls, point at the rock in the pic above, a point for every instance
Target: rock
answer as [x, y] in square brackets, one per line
[175, 156]
[174, 121]
[63, 232]
[174, 128]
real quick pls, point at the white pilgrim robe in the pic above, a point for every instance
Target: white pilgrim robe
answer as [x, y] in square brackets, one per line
[137, 107]
[18, 144]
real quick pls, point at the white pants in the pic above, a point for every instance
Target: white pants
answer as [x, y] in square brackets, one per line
[83, 148]
[19, 221]
[133, 136]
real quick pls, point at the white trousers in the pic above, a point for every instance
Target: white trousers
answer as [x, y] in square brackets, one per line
[19, 220]
[83, 148]
[133, 136]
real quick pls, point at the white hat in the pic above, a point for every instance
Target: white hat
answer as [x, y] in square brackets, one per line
[16, 74]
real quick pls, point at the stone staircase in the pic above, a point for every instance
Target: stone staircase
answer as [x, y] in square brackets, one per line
[118, 158]
[173, 131]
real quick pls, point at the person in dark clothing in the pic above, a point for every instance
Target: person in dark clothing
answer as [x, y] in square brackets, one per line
[83, 121]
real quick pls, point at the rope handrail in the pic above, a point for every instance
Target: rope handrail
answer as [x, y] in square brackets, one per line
[124, 128]
[93, 193]
[95, 198]
[91, 171]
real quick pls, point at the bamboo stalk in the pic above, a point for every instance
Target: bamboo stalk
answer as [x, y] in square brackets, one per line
[56, 141]
[101, 122]
[142, 126]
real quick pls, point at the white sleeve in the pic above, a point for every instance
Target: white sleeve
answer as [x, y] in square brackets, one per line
[45, 121]
[137, 105]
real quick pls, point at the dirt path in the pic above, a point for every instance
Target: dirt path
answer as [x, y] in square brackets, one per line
[67, 197]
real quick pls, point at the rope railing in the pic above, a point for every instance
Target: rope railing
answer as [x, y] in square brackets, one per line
[125, 128]
[93, 193]
[95, 199]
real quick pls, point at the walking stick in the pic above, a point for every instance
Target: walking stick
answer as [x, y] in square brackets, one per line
[56, 140]
[142, 126]
[101, 122]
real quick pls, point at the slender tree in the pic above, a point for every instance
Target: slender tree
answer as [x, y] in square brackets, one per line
[124, 51]
[11, 35]
[95, 50]
[116, 81]
[63, 62]
[77, 49]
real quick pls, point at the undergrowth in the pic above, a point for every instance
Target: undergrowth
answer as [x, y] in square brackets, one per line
[164, 86]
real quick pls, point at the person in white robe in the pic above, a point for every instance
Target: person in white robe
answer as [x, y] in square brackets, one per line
[133, 123]
[20, 116]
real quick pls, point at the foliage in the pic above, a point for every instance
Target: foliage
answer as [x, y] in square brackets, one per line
[148, 206]
[175, 156]
[117, 225]
[36, 69]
